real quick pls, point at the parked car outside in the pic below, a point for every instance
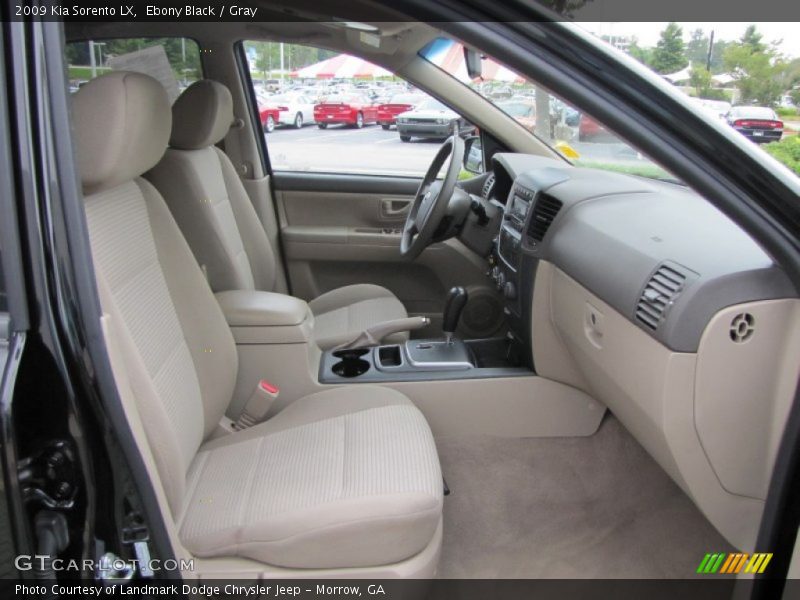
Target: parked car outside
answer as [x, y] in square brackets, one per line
[590, 130]
[399, 103]
[759, 124]
[522, 110]
[717, 108]
[268, 113]
[355, 110]
[431, 119]
[295, 109]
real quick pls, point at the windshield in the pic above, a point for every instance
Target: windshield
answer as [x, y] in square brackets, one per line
[517, 109]
[432, 104]
[405, 99]
[753, 112]
[343, 99]
[553, 121]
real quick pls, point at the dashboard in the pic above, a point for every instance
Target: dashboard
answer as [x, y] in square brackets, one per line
[655, 251]
[646, 297]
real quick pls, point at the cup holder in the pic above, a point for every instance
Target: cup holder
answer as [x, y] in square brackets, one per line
[351, 364]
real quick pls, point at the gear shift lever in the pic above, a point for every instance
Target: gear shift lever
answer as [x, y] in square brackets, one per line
[456, 300]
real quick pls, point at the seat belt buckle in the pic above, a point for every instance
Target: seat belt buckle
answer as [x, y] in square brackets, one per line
[257, 405]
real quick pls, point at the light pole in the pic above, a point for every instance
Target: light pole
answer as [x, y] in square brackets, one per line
[281, 65]
[99, 46]
[91, 59]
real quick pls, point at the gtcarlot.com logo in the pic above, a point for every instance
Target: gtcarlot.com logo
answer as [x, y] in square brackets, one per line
[40, 562]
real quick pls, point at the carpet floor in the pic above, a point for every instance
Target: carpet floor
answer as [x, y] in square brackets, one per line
[593, 507]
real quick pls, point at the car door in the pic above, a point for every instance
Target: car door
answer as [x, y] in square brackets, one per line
[306, 108]
[342, 196]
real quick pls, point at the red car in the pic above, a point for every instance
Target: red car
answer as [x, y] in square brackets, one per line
[269, 116]
[591, 131]
[387, 113]
[350, 109]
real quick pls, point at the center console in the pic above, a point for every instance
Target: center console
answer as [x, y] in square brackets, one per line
[419, 360]
[415, 360]
[513, 270]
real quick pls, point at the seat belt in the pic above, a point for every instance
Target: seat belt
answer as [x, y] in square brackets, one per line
[257, 405]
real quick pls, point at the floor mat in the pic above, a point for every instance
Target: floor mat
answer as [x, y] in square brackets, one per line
[590, 507]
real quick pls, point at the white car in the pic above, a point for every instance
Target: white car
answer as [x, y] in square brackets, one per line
[293, 109]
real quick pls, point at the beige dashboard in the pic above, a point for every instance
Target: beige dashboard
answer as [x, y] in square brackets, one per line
[712, 419]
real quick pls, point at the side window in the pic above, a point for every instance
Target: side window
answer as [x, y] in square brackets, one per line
[175, 62]
[332, 113]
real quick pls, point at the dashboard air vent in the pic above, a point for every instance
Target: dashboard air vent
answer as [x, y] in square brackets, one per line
[487, 186]
[544, 212]
[662, 289]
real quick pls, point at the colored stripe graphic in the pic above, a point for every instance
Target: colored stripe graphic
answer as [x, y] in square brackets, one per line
[758, 563]
[733, 562]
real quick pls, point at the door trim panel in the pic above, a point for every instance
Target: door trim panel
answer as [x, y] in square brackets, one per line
[294, 181]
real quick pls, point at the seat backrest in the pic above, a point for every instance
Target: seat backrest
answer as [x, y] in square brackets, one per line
[207, 197]
[179, 354]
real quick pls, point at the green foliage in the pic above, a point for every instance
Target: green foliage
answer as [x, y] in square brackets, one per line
[787, 112]
[183, 56]
[757, 68]
[84, 73]
[795, 96]
[643, 55]
[670, 53]
[697, 51]
[650, 171]
[295, 56]
[717, 94]
[700, 80]
[787, 151]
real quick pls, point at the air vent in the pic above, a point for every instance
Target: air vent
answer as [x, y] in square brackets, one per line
[544, 212]
[487, 186]
[659, 293]
[742, 327]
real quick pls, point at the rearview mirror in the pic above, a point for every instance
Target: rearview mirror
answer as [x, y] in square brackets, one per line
[473, 155]
[472, 59]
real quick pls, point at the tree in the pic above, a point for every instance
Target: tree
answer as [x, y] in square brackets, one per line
[757, 68]
[700, 80]
[697, 48]
[752, 39]
[670, 53]
[643, 55]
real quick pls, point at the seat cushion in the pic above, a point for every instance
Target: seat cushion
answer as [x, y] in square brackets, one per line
[348, 477]
[341, 314]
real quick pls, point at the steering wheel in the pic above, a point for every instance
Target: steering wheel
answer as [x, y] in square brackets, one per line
[432, 198]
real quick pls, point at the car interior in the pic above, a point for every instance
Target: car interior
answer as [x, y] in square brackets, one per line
[539, 370]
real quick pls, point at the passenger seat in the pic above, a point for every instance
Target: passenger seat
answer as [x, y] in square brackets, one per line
[345, 478]
[209, 202]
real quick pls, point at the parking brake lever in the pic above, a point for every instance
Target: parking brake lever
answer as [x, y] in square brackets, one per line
[373, 335]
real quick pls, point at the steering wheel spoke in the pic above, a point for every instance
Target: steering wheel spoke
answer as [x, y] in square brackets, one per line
[432, 197]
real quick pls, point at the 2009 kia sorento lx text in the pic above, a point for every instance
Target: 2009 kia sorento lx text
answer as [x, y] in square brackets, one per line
[266, 372]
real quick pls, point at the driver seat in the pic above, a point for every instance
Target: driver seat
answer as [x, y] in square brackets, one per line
[207, 199]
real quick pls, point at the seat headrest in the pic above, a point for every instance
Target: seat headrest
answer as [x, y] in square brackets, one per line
[122, 124]
[201, 116]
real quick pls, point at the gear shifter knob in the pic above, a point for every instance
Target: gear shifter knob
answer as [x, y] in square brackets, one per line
[456, 301]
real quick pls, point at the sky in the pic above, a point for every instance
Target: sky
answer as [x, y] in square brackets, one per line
[648, 33]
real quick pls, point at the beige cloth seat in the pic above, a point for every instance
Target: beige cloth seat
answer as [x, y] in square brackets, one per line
[344, 478]
[211, 206]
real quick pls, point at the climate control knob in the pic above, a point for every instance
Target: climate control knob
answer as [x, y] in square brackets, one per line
[510, 291]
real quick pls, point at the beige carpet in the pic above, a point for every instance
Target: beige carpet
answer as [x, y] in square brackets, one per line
[591, 507]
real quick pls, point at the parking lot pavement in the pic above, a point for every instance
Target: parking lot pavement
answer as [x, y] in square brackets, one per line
[373, 150]
[339, 149]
